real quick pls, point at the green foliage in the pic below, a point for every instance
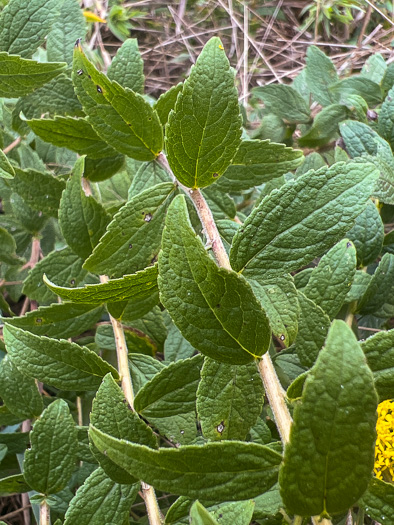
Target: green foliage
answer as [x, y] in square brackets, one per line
[107, 272]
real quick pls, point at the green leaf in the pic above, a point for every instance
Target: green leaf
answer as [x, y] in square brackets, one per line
[127, 66]
[152, 324]
[135, 286]
[101, 500]
[229, 399]
[132, 240]
[379, 351]
[378, 501]
[143, 368]
[313, 161]
[82, 219]
[386, 118]
[6, 170]
[176, 347]
[8, 248]
[97, 170]
[221, 204]
[69, 26]
[136, 340]
[374, 68]
[360, 139]
[149, 174]
[168, 400]
[283, 101]
[120, 117]
[6, 419]
[320, 75]
[378, 298]
[49, 463]
[56, 97]
[19, 392]
[32, 221]
[330, 282]
[16, 442]
[280, 301]
[111, 413]
[224, 471]
[256, 162]
[268, 504]
[62, 265]
[20, 77]
[128, 311]
[205, 301]
[24, 25]
[40, 190]
[370, 91]
[13, 485]
[325, 126]
[388, 79]
[274, 242]
[166, 102]
[203, 132]
[62, 320]
[74, 134]
[367, 235]
[313, 325]
[200, 516]
[330, 456]
[359, 286]
[60, 364]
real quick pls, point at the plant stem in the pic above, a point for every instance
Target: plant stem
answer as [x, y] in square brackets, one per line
[122, 355]
[297, 520]
[149, 496]
[210, 229]
[13, 145]
[148, 492]
[276, 397]
[45, 513]
[273, 388]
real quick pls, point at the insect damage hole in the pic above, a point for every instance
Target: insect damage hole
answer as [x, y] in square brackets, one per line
[99, 90]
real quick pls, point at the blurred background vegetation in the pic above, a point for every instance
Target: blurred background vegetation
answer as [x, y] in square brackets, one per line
[266, 40]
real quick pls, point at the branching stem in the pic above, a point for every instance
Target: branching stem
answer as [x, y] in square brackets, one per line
[273, 388]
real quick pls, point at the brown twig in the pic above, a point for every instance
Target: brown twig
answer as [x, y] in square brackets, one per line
[13, 145]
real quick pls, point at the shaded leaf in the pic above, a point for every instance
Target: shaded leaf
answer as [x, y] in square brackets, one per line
[49, 463]
[223, 471]
[214, 296]
[229, 399]
[60, 364]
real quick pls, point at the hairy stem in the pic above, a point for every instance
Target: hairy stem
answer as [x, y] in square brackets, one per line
[276, 397]
[273, 388]
[122, 356]
[45, 513]
[148, 492]
[149, 496]
[210, 229]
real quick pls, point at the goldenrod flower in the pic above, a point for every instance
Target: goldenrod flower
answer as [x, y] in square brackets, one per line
[384, 449]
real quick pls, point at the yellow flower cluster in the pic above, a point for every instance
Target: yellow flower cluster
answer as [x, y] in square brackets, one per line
[384, 450]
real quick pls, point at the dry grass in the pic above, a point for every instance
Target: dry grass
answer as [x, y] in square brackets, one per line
[264, 40]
